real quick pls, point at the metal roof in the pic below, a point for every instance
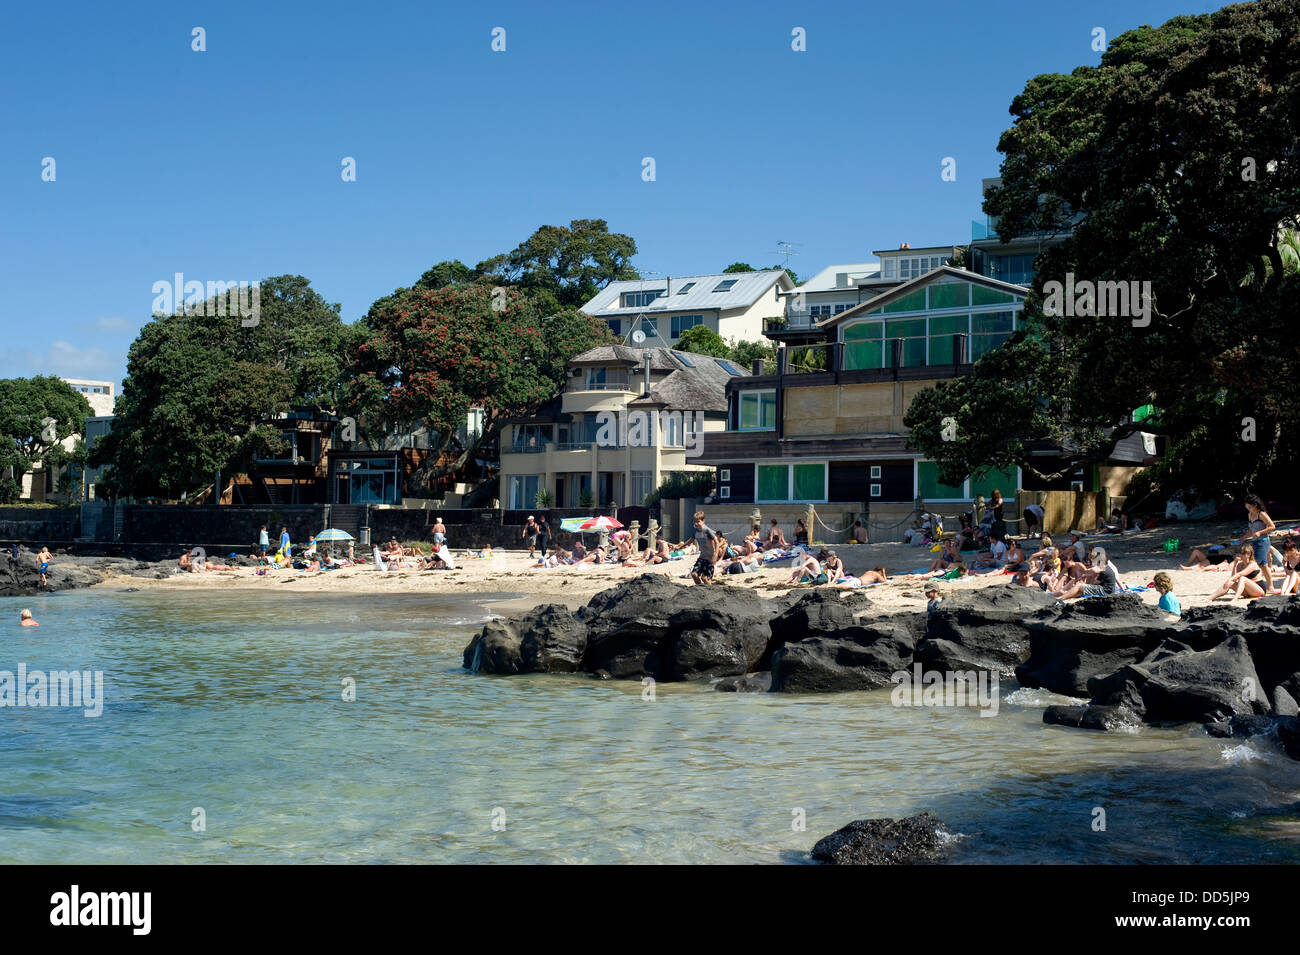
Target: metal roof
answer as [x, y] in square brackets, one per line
[824, 281]
[748, 288]
[921, 280]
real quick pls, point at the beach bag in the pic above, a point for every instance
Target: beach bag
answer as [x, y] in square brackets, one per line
[1172, 545]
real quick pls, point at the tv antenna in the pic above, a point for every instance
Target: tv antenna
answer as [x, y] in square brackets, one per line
[787, 249]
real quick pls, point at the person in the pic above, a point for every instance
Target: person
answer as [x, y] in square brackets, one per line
[832, 567]
[858, 534]
[706, 539]
[932, 599]
[25, 619]
[285, 547]
[1209, 558]
[543, 535]
[263, 542]
[1033, 515]
[1113, 526]
[44, 558]
[1015, 555]
[808, 569]
[1045, 553]
[876, 575]
[1168, 600]
[1022, 578]
[1080, 548]
[800, 532]
[996, 556]
[311, 547]
[530, 534]
[774, 535]
[1106, 586]
[579, 549]
[439, 532]
[1290, 583]
[1257, 535]
[1245, 579]
[13, 551]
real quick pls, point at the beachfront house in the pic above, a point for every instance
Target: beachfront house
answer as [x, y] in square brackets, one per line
[627, 419]
[732, 304]
[825, 427]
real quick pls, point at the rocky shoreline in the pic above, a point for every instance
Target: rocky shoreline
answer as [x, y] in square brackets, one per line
[1233, 669]
[22, 577]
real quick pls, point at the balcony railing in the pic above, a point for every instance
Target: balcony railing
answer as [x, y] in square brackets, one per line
[609, 384]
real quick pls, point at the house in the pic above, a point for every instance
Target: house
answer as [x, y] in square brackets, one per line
[1009, 261]
[627, 418]
[44, 483]
[837, 288]
[732, 304]
[827, 427]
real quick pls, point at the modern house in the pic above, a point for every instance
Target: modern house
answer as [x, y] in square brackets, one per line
[1008, 261]
[837, 288]
[628, 418]
[732, 304]
[827, 427]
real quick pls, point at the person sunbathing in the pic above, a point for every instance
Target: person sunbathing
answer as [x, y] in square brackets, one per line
[876, 575]
[949, 556]
[774, 536]
[832, 566]
[743, 563]
[658, 554]
[1245, 578]
[805, 570]
[1212, 557]
[1015, 554]
[595, 556]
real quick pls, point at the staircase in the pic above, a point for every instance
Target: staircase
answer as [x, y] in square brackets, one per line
[348, 517]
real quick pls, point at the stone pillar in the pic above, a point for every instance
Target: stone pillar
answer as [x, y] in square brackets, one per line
[635, 529]
[810, 522]
[652, 532]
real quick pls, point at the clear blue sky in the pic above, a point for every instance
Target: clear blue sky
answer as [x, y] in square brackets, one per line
[225, 165]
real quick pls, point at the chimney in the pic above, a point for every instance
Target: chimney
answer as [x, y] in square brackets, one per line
[757, 367]
[645, 389]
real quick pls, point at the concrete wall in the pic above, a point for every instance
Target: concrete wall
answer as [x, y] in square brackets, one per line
[830, 526]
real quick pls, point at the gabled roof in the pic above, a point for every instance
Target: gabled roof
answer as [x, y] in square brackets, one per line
[922, 280]
[746, 289]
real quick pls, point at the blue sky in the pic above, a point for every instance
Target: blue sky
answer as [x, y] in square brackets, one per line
[225, 164]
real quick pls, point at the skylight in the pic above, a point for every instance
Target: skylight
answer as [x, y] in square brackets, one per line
[729, 367]
[686, 288]
[725, 285]
[684, 360]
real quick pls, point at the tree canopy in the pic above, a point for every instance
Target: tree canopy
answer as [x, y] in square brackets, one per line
[563, 265]
[200, 388]
[36, 416]
[1175, 163]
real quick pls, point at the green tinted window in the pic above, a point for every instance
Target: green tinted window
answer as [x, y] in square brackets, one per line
[987, 296]
[773, 482]
[859, 355]
[928, 485]
[992, 322]
[862, 330]
[748, 411]
[1004, 481]
[949, 324]
[809, 482]
[950, 295]
[913, 302]
[767, 413]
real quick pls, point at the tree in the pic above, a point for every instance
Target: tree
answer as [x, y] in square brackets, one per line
[430, 355]
[744, 352]
[570, 265]
[702, 340]
[201, 388]
[36, 416]
[443, 274]
[738, 267]
[1175, 162]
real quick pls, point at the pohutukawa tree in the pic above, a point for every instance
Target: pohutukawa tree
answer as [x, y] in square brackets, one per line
[1176, 161]
[36, 416]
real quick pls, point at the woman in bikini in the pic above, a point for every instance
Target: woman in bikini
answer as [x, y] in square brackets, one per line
[1245, 579]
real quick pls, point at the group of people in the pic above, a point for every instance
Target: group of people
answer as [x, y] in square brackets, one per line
[1256, 568]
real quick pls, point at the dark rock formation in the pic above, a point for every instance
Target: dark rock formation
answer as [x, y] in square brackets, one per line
[546, 640]
[910, 841]
[753, 683]
[984, 629]
[863, 657]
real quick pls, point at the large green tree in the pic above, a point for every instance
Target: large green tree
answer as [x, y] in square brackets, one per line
[432, 354]
[36, 416]
[1174, 162]
[564, 266]
[200, 388]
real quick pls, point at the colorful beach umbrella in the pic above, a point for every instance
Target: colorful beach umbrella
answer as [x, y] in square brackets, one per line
[599, 524]
[333, 534]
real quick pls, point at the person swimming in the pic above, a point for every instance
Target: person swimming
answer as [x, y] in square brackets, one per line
[26, 619]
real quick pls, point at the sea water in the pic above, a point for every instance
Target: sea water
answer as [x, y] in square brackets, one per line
[264, 727]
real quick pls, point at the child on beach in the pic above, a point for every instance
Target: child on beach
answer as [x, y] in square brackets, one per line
[1168, 600]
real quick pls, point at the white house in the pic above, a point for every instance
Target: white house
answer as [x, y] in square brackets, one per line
[732, 304]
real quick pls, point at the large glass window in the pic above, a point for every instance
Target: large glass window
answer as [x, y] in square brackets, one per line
[682, 322]
[988, 331]
[912, 332]
[809, 482]
[773, 482]
[988, 296]
[944, 330]
[1005, 481]
[912, 302]
[640, 299]
[950, 295]
[758, 411]
[785, 482]
[863, 346]
[929, 487]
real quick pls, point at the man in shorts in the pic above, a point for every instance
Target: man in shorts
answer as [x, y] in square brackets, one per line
[706, 539]
[530, 536]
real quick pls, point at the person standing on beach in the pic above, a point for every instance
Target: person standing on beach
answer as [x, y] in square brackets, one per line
[1257, 536]
[530, 535]
[44, 558]
[285, 547]
[263, 542]
[543, 535]
[705, 538]
[439, 532]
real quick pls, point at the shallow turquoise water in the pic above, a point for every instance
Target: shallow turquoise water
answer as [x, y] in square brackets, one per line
[233, 703]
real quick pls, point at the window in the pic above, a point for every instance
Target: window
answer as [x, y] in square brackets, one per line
[943, 332]
[1016, 269]
[724, 475]
[686, 288]
[672, 425]
[615, 325]
[819, 312]
[640, 299]
[863, 346]
[1005, 481]
[931, 488]
[912, 302]
[725, 285]
[639, 487]
[875, 472]
[875, 490]
[681, 357]
[841, 307]
[729, 368]
[912, 332]
[682, 322]
[988, 331]
[648, 325]
[757, 411]
[791, 482]
[724, 493]
[950, 295]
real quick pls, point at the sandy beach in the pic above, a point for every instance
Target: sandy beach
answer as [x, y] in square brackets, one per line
[1138, 555]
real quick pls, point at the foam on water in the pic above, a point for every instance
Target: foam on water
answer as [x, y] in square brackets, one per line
[1241, 753]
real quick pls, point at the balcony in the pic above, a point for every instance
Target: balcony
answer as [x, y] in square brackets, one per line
[796, 326]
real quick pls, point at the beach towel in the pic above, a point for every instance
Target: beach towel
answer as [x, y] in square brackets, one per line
[379, 561]
[444, 555]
